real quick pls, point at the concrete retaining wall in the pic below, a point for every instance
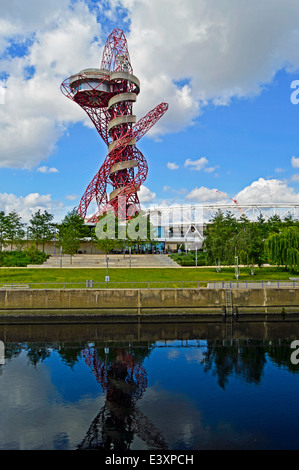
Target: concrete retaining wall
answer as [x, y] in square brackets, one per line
[85, 302]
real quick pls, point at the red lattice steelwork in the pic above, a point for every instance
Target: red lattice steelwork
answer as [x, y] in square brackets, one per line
[107, 96]
[125, 369]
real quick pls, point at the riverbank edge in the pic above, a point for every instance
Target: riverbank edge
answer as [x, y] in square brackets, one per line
[85, 304]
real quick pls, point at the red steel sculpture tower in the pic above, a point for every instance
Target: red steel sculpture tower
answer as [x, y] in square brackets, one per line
[107, 96]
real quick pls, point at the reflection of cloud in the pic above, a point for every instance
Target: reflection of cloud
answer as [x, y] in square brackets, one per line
[173, 354]
[175, 417]
[195, 355]
[33, 413]
[181, 424]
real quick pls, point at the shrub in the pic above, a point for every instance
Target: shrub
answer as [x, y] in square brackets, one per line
[189, 258]
[22, 258]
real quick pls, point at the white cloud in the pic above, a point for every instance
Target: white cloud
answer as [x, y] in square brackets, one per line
[145, 195]
[267, 191]
[172, 166]
[260, 191]
[166, 188]
[295, 177]
[211, 169]
[26, 206]
[199, 52]
[71, 197]
[203, 194]
[2, 92]
[180, 191]
[197, 164]
[295, 162]
[35, 114]
[46, 169]
[203, 51]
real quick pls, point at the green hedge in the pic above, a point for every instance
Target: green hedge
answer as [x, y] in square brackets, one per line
[189, 258]
[22, 258]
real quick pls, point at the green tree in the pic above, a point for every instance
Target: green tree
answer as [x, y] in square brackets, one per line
[220, 239]
[140, 232]
[283, 248]
[13, 229]
[289, 220]
[263, 227]
[112, 234]
[40, 228]
[2, 229]
[274, 224]
[250, 244]
[107, 233]
[71, 232]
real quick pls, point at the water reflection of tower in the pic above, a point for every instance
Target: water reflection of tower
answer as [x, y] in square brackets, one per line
[124, 380]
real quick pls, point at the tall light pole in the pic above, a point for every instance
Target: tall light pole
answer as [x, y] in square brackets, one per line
[107, 275]
[237, 268]
[236, 257]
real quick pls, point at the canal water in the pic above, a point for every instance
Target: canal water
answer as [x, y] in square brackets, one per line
[176, 386]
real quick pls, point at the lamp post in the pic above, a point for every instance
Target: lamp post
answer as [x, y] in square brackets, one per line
[236, 257]
[107, 276]
[237, 268]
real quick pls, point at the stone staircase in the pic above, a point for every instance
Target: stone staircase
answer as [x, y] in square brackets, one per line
[114, 261]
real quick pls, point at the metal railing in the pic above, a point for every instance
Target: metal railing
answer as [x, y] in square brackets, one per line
[90, 284]
[105, 284]
[251, 284]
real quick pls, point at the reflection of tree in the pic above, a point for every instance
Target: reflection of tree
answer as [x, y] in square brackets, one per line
[37, 353]
[281, 355]
[247, 361]
[124, 381]
[70, 355]
[13, 350]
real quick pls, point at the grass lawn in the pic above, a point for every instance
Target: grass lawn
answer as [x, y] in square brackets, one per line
[26, 275]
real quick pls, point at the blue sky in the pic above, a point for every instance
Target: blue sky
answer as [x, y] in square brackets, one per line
[225, 69]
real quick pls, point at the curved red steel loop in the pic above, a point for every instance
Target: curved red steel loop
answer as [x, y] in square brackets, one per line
[107, 96]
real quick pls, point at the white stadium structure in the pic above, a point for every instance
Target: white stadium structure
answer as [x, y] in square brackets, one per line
[184, 224]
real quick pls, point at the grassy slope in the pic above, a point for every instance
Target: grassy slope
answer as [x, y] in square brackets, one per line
[146, 274]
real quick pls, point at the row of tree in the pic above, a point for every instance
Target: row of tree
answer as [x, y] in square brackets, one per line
[15, 233]
[254, 243]
[70, 232]
[238, 359]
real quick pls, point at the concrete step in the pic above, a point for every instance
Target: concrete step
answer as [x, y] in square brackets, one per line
[114, 261]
